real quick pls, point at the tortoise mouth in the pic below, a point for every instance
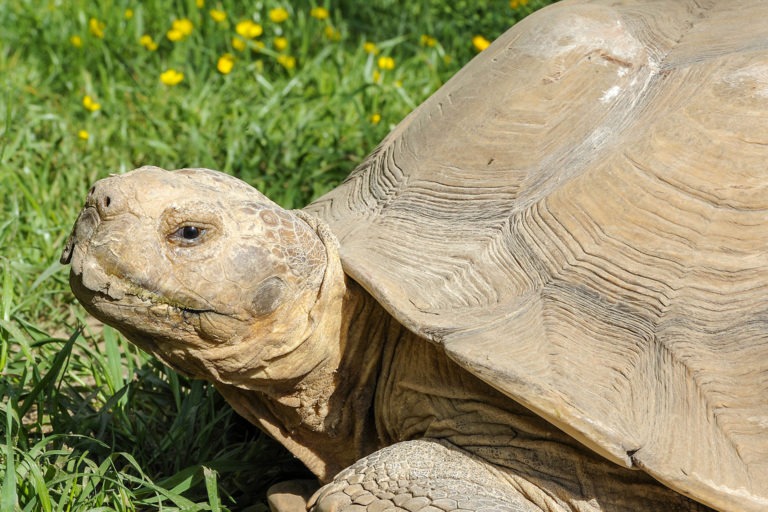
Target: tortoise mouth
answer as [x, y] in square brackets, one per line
[164, 317]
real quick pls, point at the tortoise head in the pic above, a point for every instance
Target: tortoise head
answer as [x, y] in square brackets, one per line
[202, 271]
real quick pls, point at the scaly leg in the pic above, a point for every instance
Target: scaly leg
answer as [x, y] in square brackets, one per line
[423, 476]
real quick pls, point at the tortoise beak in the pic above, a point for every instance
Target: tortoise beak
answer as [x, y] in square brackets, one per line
[82, 232]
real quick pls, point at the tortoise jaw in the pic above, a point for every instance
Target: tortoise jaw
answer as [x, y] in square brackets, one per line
[106, 304]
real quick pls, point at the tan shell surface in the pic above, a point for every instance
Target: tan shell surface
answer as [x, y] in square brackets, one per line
[580, 216]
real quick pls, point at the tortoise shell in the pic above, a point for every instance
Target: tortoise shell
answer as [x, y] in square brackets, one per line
[580, 218]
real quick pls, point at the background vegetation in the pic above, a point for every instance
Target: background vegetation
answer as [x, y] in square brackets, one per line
[287, 95]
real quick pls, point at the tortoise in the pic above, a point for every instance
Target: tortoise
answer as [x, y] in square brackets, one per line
[544, 290]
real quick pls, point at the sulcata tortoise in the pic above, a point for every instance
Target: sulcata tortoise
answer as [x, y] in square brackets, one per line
[547, 289]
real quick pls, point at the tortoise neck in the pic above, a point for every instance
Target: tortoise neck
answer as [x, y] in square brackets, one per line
[335, 399]
[326, 419]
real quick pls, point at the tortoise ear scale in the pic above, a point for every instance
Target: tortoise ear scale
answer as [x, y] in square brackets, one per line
[268, 296]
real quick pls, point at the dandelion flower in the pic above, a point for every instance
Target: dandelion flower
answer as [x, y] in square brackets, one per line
[280, 43]
[128, 14]
[83, 135]
[76, 41]
[376, 76]
[171, 77]
[517, 3]
[320, 13]
[180, 29]
[183, 25]
[480, 43]
[200, 3]
[331, 33]
[90, 104]
[427, 40]
[370, 48]
[225, 64]
[218, 15]
[375, 118]
[286, 61]
[278, 15]
[174, 35]
[386, 63]
[96, 27]
[147, 42]
[238, 44]
[248, 29]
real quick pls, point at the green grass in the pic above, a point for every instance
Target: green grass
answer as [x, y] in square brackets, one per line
[88, 421]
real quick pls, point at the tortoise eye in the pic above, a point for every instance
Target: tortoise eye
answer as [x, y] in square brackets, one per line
[188, 234]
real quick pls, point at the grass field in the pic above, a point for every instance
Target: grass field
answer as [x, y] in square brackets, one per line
[286, 95]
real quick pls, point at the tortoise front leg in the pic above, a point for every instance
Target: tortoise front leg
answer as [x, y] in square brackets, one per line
[424, 476]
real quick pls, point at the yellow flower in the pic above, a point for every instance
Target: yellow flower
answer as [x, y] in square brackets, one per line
[128, 14]
[200, 3]
[171, 77]
[286, 61]
[83, 135]
[331, 33]
[278, 15]
[517, 3]
[280, 43]
[174, 35]
[90, 104]
[320, 13]
[398, 83]
[376, 76]
[96, 27]
[447, 59]
[248, 29]
[183, 25]
[147, 42]
[225, 64]
[180, 29]
[218, 15]
[370, 48]
[386, 63]
[428, 40]
[480, 43]
[76, 41]
[238, 44]
[375, 118]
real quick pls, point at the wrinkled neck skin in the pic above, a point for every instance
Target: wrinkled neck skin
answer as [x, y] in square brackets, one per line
[325, 417]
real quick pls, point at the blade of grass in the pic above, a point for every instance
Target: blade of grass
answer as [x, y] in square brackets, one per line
[53, 268]
[114, 360]
[8, 499]
[212, 488]
[7, 291]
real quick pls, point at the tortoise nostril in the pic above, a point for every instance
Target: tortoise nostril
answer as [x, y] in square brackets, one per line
[107, 201]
